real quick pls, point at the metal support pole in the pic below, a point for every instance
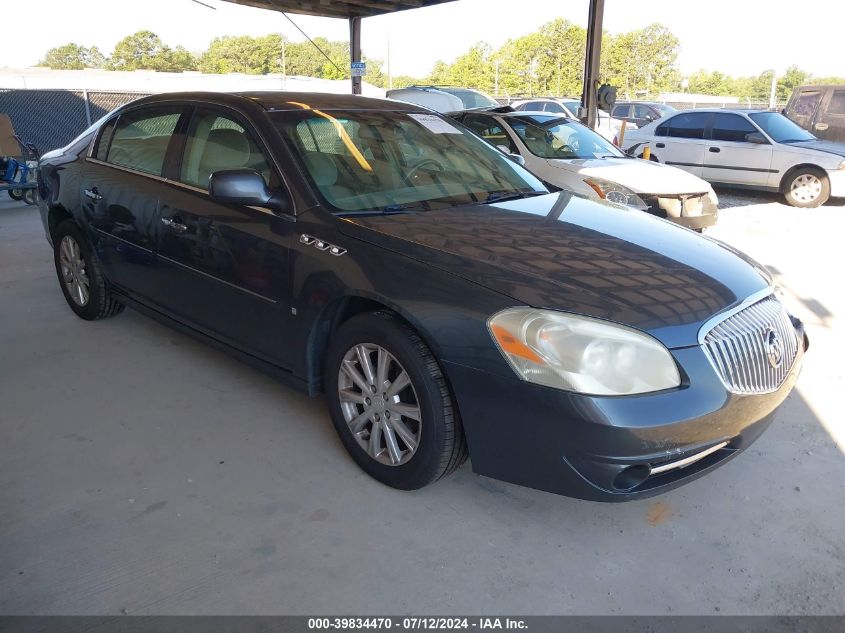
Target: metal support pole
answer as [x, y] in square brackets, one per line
[355, 50]
[591, 62]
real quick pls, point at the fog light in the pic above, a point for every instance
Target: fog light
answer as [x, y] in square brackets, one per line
[631, 477]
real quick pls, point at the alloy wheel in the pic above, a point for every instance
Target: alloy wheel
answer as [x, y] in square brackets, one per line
[74, 273]
[379, 404]
[806, 188]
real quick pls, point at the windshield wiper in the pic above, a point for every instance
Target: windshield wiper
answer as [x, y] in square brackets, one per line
[500, 196]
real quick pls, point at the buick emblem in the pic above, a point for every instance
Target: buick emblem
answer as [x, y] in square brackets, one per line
[774, 347]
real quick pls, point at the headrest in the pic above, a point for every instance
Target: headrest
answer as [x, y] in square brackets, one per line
[321, 167]
[225, 149]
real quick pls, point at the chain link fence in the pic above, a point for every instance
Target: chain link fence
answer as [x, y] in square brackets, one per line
[52, 118]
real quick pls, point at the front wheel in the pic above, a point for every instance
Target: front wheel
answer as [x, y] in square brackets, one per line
[807, 188]
[390, 404]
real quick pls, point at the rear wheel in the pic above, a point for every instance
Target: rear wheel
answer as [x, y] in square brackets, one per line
[80, 277]
[806, 187]
[390, 403]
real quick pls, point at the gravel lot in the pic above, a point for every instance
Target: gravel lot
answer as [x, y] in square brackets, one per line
[142, 472]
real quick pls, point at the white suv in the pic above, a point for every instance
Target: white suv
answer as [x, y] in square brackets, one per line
[747, 148]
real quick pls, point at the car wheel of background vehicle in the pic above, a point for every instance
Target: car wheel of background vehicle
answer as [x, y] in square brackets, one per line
[16, 194]
[80, 277]
[806, 187]
[390, 404]
[30, 196]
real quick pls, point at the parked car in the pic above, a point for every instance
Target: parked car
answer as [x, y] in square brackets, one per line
[439, 296]
[566, 154]
[443, 98]
[753, 149]
[820, 110]
[641, 112]
[605, 125]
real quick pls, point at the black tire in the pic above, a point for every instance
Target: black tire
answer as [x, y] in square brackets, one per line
[30, 196]
[441, 448]
[16, 194]
[100, 303]
[795, 200]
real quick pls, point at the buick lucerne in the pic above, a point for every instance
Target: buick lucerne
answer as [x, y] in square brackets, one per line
[445, 303]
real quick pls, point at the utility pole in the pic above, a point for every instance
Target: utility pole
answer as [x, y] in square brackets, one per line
[284, 66]
[496, 80]
[389, 75]
[773, 93]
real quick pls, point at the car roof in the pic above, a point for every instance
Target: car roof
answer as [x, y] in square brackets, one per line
[281, 101]
[723, 110]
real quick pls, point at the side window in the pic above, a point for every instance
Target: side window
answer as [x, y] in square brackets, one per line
[807, 103]
[551, 106]
[687, 125]
[662, 129]
[141, 138]
[488, 129]
[731, 127]
[622, 111]
[106, 133]
[217, 143]
[644, 112]
[837, 103]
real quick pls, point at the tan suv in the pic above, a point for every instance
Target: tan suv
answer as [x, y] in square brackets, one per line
[820, 110]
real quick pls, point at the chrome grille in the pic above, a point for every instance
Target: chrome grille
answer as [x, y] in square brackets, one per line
[740, 346]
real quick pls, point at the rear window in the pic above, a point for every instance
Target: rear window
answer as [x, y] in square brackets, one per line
[141, 138]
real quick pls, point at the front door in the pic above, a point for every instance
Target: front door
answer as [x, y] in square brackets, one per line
[830, 120]
[225, 266]
[730, 158]
[680, 141]
[119, 189]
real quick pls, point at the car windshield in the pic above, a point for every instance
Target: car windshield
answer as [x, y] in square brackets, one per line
[471, 98]
[664, 109]
[379, 160]
[549, 137]
[781, 129]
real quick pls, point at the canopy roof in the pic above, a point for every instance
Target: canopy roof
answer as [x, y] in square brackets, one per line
[340, 8]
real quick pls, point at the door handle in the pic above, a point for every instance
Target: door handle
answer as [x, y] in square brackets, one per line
[821, 127]
[715, 150]
[660, 145]
[93, 194]
[174, 225]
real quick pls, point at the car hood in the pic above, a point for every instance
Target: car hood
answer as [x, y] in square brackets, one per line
[640, 176]
[831, 147]
[564, 252]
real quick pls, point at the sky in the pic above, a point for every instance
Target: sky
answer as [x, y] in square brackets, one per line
[737, 37]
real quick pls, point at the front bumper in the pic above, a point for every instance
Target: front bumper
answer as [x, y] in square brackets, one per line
[837, 182]
[605, 448]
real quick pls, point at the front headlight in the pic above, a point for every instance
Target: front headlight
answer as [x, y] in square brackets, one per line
[614, 192]
[582, 354]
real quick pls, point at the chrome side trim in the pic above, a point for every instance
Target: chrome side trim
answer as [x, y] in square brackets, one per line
[217, 279]
[687, 460]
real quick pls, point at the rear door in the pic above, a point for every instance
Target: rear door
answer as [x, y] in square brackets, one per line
[225, 266]
[680, 141]
[830, 119]
[120, 188]
[730, 158]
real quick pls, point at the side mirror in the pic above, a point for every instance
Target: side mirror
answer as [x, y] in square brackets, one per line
[244, 186]
[757, 138]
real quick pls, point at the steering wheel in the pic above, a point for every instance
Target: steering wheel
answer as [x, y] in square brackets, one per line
[425, 161]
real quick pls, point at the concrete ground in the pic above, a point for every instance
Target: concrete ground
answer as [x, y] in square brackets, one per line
[142, 472]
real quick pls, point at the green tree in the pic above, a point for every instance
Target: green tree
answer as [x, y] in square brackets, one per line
[144, 50]
[709, 83]
[73, 57]
[792, 78]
